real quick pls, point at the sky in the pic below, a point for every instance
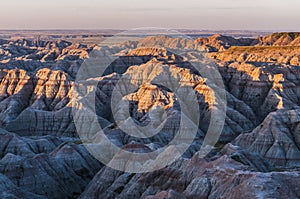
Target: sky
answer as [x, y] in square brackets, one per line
[125, 14]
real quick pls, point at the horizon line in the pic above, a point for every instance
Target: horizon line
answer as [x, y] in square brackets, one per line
[124, 29]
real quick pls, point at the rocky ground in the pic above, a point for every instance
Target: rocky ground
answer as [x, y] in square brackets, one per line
[258, 152]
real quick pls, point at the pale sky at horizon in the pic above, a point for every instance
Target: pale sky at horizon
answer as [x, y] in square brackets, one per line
[123, 14]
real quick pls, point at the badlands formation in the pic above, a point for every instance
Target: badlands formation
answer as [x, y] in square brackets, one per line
[257, 154]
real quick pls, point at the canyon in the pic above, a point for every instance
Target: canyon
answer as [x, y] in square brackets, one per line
[257, 154]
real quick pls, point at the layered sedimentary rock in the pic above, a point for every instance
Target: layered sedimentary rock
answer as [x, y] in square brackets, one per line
[218, 42]
[168, 42]
[255, 88]
[264, 88]
[46, 95]
[16, 88]
[276, 139]
[261, 54]
[32, 55]
[38, 104]
[195, 178]
[280, 39]
[42, 158]
[44, 166]
[9, 190]
[36, 97]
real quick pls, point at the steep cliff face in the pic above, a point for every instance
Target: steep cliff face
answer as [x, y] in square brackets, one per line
[276, 139]
[44, 166]
[280, 39]
[16, 88]
[218, 43]
[259, 90]
[44, 97]
[265, 88]
[42, 156]
[195, 178]
[36, 104]
[9, 190]
[36, 97]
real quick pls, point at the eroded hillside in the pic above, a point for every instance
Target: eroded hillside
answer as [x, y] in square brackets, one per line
[43, 157]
